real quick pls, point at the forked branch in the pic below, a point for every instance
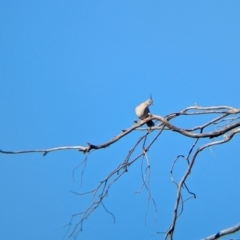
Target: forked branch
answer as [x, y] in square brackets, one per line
[224, 124]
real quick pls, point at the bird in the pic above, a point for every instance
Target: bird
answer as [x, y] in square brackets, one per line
[142, 111]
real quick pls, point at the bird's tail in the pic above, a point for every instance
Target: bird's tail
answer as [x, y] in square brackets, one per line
[150, 123]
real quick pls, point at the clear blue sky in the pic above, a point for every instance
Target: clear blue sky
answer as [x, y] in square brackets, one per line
[72, 72]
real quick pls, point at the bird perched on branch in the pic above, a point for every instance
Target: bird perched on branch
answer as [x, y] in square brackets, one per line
[142, 111]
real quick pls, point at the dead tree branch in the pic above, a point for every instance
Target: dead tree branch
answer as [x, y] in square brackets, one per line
[225, 125]
[224, 232]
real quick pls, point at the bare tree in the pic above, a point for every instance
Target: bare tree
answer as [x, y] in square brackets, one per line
[218, 130]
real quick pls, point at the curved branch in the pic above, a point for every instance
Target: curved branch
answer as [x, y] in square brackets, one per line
[187, 173]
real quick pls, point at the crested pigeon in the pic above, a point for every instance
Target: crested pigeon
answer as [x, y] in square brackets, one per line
[142, 111]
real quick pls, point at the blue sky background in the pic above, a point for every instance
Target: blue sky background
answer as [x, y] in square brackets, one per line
[72, 72]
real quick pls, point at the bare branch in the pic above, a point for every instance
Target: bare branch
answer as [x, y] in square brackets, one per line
[188, 171]
[224, 232]
[225, 125]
